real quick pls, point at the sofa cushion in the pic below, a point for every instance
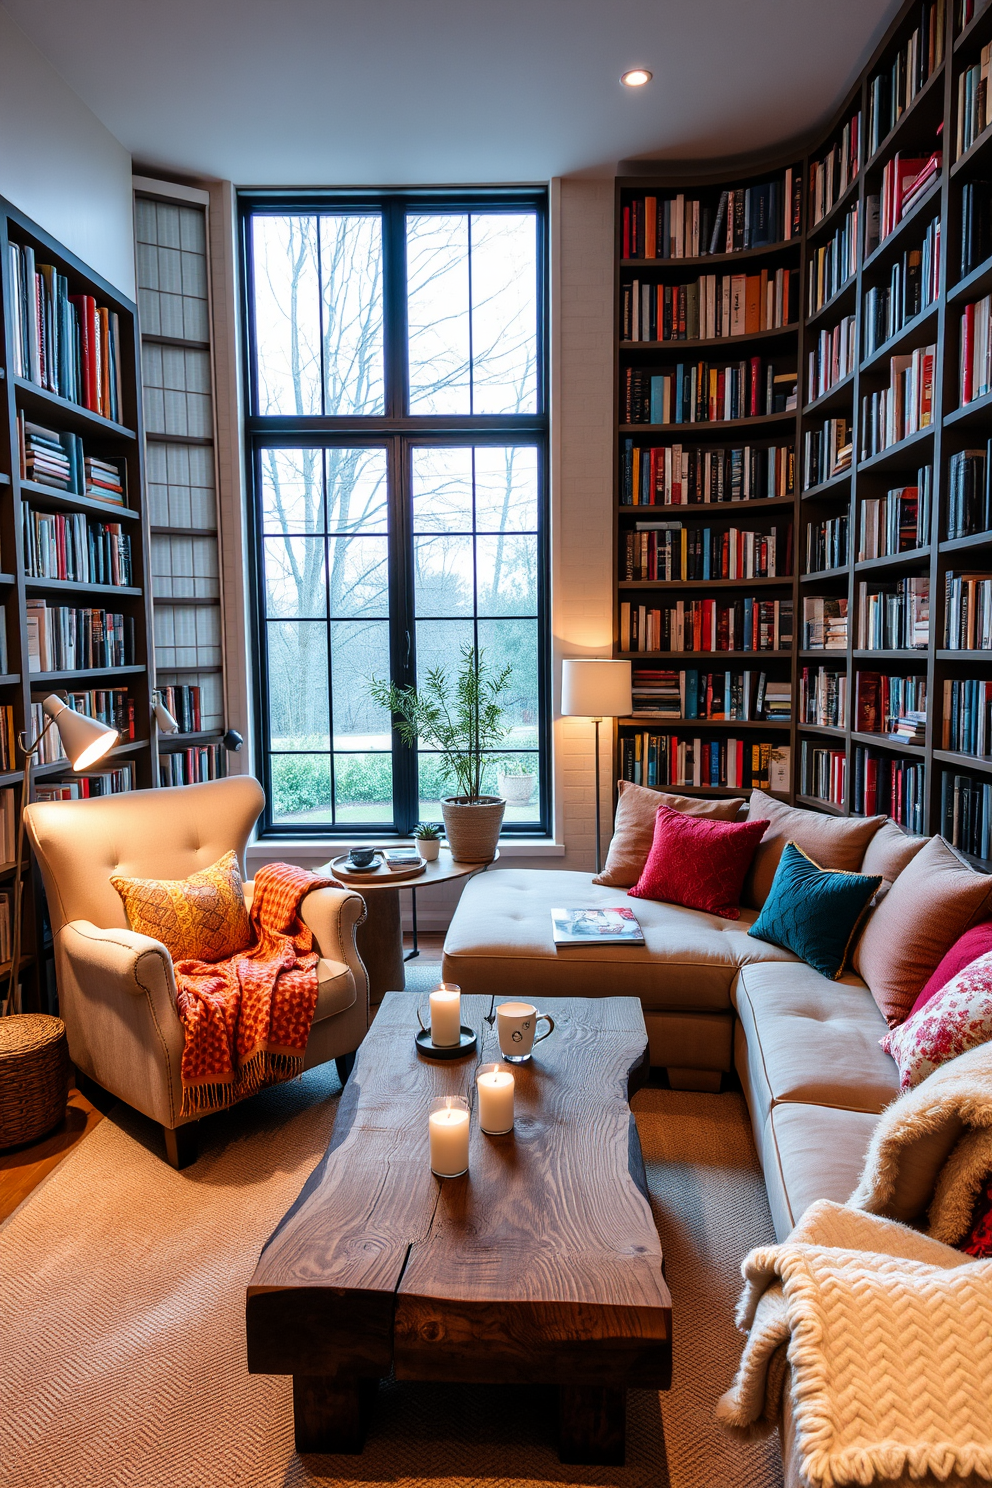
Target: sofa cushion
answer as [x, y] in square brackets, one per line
[814, 911]
[633, 827]
[831, 841]
[812, 1040]
[811, 1152]
[698, 863]
[889, 851]
[500, 941]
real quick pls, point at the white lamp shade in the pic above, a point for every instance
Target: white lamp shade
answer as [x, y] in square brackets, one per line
[595, 689]
[85, 740]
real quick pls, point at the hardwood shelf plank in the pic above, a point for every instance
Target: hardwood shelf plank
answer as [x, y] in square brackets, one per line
[894, 345]
[975, 283]
[897, 236]
[77, 419]
[887, 741]
[785, 583]
[825, 573]
[693, 725]
[836, 300]
[57, 767]
[38, 491]
[171, 743]
[700, 508]
[832, 487]
[818, 805]
[73, 586]
[967, 33]
[678, 432]
[44, 679]
[894, 454]
[977, 411]
[892, 560]
[927, 91]
[828, 730]
[973, 152]
[974, 540]
[943, 654]
[698, 343]
[683, 658]
[917, 654]
[963, 761]
[836, 394]
[827, 224]
[742, 255]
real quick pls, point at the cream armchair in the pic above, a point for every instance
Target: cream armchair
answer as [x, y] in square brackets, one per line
[117, 993]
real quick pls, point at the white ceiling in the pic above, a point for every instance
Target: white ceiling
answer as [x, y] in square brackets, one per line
[279, 92]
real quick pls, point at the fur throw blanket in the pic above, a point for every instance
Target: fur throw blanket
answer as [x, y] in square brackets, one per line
[888, 1334]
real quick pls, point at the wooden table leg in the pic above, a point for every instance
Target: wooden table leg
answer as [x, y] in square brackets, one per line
[592, 1425]
[331, 1414]
[380, 943]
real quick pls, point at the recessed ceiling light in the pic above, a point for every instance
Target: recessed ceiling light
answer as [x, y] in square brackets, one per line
[636, 77]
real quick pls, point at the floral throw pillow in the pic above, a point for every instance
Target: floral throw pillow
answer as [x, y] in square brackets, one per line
[956, 1018]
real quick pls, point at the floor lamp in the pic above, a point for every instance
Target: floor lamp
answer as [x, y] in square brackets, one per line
[596, 690]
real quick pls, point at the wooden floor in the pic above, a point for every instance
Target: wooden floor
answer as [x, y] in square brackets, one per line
[23, 1169]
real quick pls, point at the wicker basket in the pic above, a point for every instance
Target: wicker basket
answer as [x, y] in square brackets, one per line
[34, 1077]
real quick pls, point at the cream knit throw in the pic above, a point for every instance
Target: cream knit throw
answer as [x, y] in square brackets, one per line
[889, 1338]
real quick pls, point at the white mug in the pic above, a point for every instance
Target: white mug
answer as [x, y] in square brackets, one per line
[516, 1026]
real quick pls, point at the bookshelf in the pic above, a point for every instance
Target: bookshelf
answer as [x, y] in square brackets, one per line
[37, 524]
[865, 296]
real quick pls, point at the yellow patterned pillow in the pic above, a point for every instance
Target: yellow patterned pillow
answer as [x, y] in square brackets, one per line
[200, 918]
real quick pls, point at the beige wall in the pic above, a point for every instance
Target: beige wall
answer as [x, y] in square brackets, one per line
[60, 165]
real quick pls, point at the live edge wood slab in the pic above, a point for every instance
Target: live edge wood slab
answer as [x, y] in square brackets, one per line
[541, 1265]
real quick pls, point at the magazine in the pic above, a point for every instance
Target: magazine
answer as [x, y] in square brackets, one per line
[604, 926]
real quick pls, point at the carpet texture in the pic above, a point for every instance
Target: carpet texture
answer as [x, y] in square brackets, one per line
[122, 1323]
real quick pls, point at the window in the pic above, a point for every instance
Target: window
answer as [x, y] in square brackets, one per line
[398, 433]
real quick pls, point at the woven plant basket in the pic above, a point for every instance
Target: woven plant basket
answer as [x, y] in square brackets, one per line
[472, 827]
[34, 1077]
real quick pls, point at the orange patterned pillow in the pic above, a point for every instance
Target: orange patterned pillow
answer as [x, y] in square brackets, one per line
[200, 918]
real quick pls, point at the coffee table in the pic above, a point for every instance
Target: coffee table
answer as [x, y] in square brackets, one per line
[541, 1265]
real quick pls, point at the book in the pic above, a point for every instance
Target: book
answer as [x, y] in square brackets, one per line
[401, 857]
[618, 926]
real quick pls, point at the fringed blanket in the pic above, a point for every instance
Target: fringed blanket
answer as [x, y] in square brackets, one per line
[247, 1019]
[889, 1337]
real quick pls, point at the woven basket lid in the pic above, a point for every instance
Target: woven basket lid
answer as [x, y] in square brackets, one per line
[25, 1031]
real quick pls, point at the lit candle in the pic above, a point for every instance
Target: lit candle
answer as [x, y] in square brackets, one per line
[446, 1015]
[495, 1087]
[448, 1128]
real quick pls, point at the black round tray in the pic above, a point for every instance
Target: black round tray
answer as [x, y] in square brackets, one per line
[466, 1045]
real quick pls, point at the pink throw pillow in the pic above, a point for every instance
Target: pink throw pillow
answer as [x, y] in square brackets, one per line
[698, 862]
[973, 943]
[956, 1018]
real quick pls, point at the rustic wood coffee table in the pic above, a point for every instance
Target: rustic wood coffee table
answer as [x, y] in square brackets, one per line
[542, 1265]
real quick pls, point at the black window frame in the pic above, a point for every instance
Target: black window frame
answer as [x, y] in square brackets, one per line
[398, 432]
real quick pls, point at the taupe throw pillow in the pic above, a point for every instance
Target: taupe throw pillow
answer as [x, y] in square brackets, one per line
[831, 841]
[633, 830]
[890, 851]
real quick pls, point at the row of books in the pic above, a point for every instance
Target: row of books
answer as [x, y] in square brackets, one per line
[823, 772]
[709, 307]
[975, 352]
[904, 407]
[728, 222]
[667, 550]
[826, 544]
[974, 107]
[8, 752]
[706, 625]
[976, 224]
[892, 90]
[966, 813]
[113, 706]
[823, 697]
[8, 832]
[880, 700]
[897, 522]
[58, 460]
[969, 498]
[905, 182]
[833, 264]
[832, 357]
[827, 451]
[700, 393]
[679, 475]
[735, 697]
[884, 785]
[831, 176]
[966, 720]
[967, 611]
[77, 548]
[110, 780]
[192, 766]
[63, 342]
[666, 760]
[894, 616]
[914, 283]
[824, 623]
[64, 639]
[183, 702]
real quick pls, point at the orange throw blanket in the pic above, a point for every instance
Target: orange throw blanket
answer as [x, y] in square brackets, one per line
[247, 1019]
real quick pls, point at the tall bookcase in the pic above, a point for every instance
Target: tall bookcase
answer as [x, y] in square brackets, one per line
[929, 70]
[102, 439]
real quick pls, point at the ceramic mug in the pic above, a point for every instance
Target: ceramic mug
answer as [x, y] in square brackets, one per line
[361, 857]
[516, 1027]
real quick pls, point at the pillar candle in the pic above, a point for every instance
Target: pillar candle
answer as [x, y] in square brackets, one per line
[446, 1015]
[448, 1126]
[495, 1087]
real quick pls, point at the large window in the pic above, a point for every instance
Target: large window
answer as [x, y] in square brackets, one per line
[396, 380]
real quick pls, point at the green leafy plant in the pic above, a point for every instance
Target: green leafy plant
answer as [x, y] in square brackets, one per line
[429, 831]
[460, 717]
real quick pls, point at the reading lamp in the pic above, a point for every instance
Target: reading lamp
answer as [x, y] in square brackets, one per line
[597, 690]
[85, 740]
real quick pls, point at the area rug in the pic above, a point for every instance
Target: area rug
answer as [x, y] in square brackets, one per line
[122, 1319]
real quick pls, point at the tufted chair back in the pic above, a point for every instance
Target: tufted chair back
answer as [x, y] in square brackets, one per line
[168, 833]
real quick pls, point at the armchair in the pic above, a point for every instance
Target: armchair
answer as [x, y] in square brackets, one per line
[117, 993]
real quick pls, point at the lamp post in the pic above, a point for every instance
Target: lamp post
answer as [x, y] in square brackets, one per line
[595, 689]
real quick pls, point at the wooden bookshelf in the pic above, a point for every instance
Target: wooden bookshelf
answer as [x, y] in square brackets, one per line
[104, 438]
[952, 428]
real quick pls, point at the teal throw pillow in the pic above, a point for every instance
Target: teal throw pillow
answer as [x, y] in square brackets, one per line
[815, 912]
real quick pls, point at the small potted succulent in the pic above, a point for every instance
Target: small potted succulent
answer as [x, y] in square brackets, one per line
[427, 836]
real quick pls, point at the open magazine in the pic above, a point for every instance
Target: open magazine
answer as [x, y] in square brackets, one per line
[602, 926]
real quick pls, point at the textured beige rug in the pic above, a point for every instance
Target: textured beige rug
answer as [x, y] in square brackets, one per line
[122, 1320]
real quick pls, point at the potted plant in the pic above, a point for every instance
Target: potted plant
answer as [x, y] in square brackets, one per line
[515, 784]
[427, 836]
[463, 719]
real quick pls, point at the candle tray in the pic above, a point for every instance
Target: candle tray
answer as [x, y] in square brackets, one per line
[467, 1044]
